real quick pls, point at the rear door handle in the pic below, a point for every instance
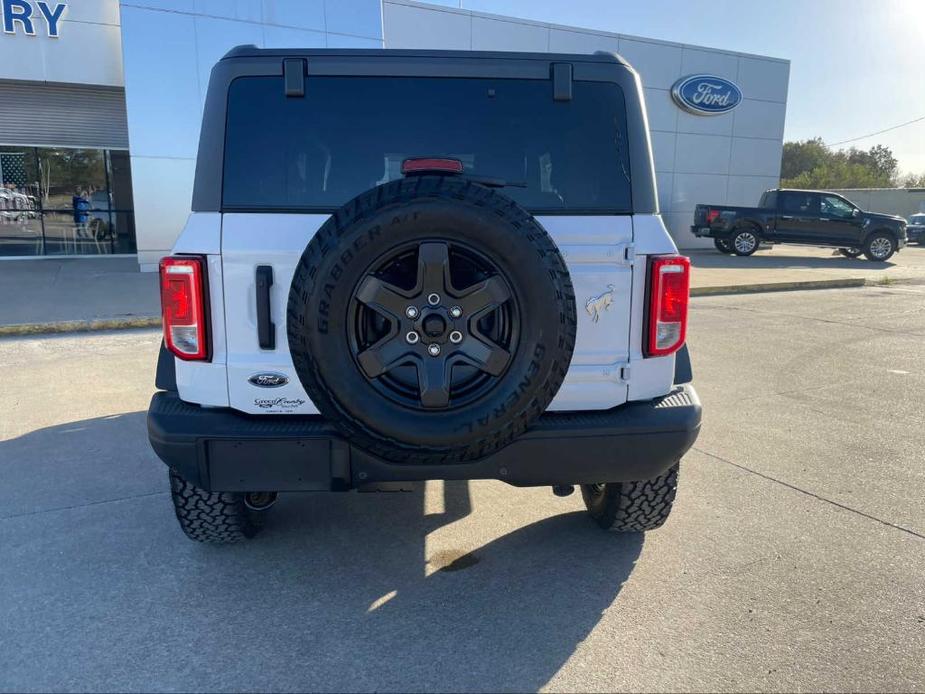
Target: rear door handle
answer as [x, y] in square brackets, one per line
[786, 217]
[266, 330]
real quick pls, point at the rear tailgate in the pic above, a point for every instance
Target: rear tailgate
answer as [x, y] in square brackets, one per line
[700, 215]
[595, 249]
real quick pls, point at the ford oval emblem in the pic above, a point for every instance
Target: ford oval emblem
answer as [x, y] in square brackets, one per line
[268, 380]
[706, 95]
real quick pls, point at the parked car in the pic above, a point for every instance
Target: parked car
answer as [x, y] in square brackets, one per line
[422, 265]
[806, 217]
[16, 207]
[915, 229]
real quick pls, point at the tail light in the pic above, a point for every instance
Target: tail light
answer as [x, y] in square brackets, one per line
[669, 295]
[183, 305]
[712, 216]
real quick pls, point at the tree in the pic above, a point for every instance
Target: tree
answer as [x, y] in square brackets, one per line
[810, 164]
[838, 173]
[878, 158]
[912, 181]
[803, 156]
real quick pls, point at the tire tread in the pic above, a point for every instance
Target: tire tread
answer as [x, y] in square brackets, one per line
[210, 517]
[633, 506]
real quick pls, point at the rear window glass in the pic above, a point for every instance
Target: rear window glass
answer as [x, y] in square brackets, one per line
[349, 134]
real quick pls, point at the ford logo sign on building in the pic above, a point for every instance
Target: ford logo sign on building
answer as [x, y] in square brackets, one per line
[706, 95]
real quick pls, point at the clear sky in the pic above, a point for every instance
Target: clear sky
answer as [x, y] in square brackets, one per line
[856, 66]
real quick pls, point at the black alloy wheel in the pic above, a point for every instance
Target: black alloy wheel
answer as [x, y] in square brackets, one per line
[423, 341]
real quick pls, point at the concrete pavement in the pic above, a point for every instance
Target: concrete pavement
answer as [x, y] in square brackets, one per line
[792, 267]
[794, 559]
[64, 294]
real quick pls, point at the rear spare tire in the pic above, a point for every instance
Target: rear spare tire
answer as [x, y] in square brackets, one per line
[431, 319]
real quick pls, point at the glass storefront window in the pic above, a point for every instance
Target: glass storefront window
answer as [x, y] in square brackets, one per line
[61, 201]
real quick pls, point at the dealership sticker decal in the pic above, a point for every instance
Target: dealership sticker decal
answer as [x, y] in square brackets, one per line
[279, 404]
[706, 95]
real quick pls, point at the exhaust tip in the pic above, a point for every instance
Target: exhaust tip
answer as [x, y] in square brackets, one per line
[260, 501]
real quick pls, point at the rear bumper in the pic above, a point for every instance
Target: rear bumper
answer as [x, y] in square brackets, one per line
[222, 450]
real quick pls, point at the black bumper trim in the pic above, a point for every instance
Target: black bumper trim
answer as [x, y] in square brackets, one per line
[223, 450]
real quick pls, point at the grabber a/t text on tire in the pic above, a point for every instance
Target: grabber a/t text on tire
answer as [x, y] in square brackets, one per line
[632, 506]
[212, 517]
[432, 319]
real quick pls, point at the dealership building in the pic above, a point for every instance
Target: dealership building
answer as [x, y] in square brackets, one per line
[101, 100]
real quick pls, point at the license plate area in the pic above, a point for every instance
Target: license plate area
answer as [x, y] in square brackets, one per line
[271, 465]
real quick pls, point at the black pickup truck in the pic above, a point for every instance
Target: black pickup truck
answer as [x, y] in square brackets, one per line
[806, 217]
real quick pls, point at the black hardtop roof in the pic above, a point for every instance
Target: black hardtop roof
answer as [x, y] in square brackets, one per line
[250, 61]
[252, 51]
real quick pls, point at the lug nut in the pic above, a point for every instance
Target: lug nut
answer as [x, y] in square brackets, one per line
[412, 337]
[456, 337]
[456, 312]
[411, 312]
[433, 349]
[433, 299]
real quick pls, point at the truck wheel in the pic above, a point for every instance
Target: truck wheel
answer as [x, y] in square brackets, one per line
[850, 252]
[212, 517]
[744, 242]
[880, 246]
[432, 319]
[722, 245]
[632, 506]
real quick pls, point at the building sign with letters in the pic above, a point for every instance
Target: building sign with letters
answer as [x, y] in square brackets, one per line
[33, 17]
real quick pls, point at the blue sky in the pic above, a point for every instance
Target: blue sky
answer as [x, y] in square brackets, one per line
[857, 66]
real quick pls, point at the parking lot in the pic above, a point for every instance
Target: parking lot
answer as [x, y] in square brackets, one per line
[794, 559]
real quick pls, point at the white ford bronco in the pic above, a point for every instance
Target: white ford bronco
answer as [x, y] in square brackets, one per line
[422, 265]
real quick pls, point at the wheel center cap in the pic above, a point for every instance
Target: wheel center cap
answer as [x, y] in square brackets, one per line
[434, 325]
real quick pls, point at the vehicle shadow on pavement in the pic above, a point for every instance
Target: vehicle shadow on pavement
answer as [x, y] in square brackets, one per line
[503, 616]
[709, 259]
[340, 592]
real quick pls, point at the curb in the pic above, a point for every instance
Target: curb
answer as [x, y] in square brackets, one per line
[80, 326]
[784, 286]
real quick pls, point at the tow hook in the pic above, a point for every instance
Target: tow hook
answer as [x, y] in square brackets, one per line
[260, 501]
[563, 489]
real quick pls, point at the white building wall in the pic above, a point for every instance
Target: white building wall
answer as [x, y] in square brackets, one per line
[86, 51]
[169, 48]
[725, 159]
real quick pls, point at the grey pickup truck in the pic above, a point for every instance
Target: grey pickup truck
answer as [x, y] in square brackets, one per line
[807, 217]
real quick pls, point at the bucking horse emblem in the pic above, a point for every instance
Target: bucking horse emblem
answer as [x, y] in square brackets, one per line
[598, 304]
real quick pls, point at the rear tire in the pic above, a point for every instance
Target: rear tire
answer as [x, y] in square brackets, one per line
[880, 247]
[744, 242]
[851, 252]
[632, 506]
[212, 517]
[723, 246]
